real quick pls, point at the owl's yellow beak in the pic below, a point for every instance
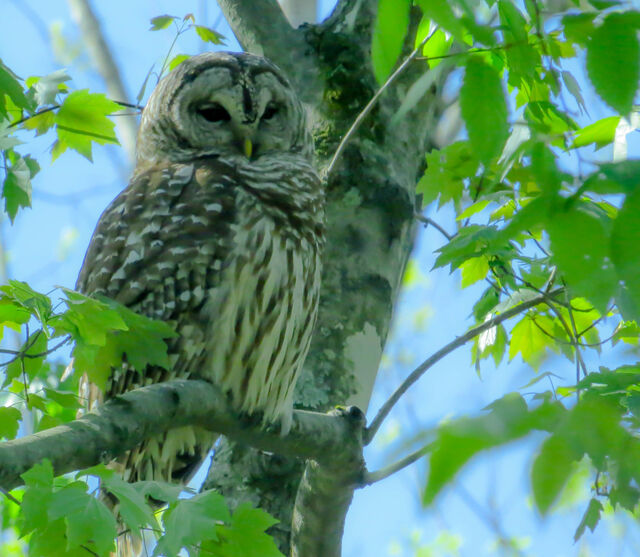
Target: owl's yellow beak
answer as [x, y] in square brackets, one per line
[248, 147]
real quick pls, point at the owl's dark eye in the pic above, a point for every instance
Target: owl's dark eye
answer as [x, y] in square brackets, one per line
[270, 111]
[214, 113]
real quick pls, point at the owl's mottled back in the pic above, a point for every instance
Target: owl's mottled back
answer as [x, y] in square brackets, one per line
[218, 233]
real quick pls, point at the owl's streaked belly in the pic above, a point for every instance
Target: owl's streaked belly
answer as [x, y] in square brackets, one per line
[262, 318]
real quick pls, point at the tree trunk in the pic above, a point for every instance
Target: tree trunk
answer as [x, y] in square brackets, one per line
[299, 11]
[370, 222]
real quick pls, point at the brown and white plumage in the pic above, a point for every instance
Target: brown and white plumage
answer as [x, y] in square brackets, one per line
[219, 233]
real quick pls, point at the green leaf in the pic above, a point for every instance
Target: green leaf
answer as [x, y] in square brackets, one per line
[65, 399]
[522, 58]
[9, 422]
[625, 240]
[544, 169]
[484, 109]
[528, 340]
[446, 170]
[41, 122]
[48, 86]
[7, 141]
[88, 521]
[21, 293]
[88, 320]
[471, 241]
[161, 491]
[473, 270]
[545, 118]
[551, 470]
[209, 35]
[141, 339]
[245, 536]
[191, 521]
[132, 504]
[392, 23]
[176, 61]
[10, 86]
[438, 45]
[578, 28]
[17, 188]
[94, 526]
[615, 78]
[38, 493]
[458, 441]
[628, 332]
[81, 119]
[30, 364]
[580, 246]
[441, 13]
[486, 303]
[601, 133]
[473, 209]
[161, 22]
[590, 518]
[513, 20]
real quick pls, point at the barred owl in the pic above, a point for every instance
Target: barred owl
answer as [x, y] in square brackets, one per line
[218, 233]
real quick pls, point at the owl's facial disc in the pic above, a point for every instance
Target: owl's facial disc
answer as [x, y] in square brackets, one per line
[223, 104]
[227, 114]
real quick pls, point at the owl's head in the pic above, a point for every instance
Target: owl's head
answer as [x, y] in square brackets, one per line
[222, 104]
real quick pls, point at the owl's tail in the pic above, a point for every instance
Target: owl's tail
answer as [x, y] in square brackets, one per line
[128, 545]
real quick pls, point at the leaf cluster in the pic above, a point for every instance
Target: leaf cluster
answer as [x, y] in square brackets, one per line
[535, 210]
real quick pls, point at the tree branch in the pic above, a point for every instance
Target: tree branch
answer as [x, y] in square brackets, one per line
[261, 27]
[445, 350]
[102, 58]
[125, 421]
[325, 493]
[379, 475]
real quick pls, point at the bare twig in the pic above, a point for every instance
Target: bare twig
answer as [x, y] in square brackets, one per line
[444, 351]
[57, 106]
[369, 107]
[378, 475]
[430, 222]
[9, 496]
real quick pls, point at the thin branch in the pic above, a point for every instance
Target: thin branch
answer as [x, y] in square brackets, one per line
[102, 59]
[430, 222]
[369, 107]
[42, 111]
[56, 106]
[9, 496]
[444, 351]
[373, 477]
[506, 46]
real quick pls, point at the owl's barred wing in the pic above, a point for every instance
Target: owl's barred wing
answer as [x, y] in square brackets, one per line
[158, 241]
[157, 249]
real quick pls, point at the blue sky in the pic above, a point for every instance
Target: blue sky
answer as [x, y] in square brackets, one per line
[46, 245]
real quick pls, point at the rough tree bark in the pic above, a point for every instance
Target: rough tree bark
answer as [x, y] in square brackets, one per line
[370, 228]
